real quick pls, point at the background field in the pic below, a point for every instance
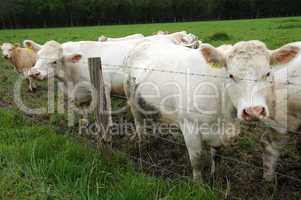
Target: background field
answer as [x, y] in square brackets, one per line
[40, 159]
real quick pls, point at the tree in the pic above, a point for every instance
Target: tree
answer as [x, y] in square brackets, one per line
[49, 13]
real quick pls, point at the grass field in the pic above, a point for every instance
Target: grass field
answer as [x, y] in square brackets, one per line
[36, 163]
[40, 160]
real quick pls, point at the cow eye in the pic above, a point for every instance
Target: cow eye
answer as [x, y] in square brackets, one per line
[265, 77]
[54, 63]
[268, 74]
[231, 77]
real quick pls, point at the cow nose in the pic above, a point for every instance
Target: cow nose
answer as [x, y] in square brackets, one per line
[254, 113]
[6, 57]
[35, 74]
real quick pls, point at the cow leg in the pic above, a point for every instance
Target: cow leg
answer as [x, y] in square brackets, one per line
[194, 146]
[298, 143]
[130, 91]
[271, 146]
[32, 84]
[109, 105]
[214, 159]
[107, 137]
[29, 84]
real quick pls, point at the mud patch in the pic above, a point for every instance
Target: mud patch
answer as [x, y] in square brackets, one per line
[240, 165]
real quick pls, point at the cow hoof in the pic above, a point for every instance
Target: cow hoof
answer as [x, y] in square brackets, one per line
[268, 177]
[107, 139]
[197, 177]
[212, 179]
[32, 90]
[134, 137]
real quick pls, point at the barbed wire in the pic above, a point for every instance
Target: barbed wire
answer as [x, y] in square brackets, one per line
[151, 164]
[114, 67]
[155, 69]
[225, 157]
[122, 67]
[228, 158]
[222, 156]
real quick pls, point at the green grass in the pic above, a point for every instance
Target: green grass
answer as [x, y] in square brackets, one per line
[38, 161]
[274, 32]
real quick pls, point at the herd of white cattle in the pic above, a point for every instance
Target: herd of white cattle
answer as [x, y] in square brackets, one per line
[187, 82]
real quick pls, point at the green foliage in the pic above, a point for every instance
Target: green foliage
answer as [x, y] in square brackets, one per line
[36, 163]
[54, 13]
[266, 30]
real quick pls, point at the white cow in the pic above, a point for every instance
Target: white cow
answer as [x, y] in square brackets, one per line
[284, 102]
[69, 64]
[185, 39]
[129, 37]
[185, 87]
[181, 38]
[287, 80]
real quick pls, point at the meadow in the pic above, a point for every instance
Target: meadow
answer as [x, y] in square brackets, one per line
[40, 158]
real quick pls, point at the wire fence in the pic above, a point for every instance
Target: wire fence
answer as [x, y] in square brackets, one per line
[109, 67]
[230, 159]
[288, 83]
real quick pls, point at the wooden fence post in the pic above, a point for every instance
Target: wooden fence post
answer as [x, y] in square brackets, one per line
[102, 110]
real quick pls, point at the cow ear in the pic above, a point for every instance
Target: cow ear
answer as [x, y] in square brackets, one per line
[32, 45]
[284, 55]
[213, 56]
[102, 38]
[16, 45]
[74, 58]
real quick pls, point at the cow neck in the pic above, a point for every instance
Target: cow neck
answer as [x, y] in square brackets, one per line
[14, 60]
[58, 70]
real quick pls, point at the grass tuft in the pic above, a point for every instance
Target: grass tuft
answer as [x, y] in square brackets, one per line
[220, 36]
[289, 26]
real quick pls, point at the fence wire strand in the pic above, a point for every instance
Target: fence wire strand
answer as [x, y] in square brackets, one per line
[123, 67]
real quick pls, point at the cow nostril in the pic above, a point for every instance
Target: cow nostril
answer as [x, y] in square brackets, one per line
[246, 116]
[35, 75]
[254, 113]
[245, 112]
[259, 111]
[263, 112]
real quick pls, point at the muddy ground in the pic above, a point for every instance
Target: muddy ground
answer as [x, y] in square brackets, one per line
[240, 165]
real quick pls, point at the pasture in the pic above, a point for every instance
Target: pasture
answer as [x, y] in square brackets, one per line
[41, 158]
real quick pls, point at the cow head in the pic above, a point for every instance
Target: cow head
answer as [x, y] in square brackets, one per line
[51, 61]
[249, 67]
[7, 50]
[32, 45]
[102, 38]
[161, 33]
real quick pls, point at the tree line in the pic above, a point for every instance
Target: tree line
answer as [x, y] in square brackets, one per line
[57, 13]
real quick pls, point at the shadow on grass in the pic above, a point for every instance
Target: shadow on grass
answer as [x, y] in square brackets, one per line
[220, 36]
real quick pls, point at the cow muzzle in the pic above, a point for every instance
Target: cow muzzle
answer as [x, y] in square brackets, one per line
[35, 75]
[254, 113]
